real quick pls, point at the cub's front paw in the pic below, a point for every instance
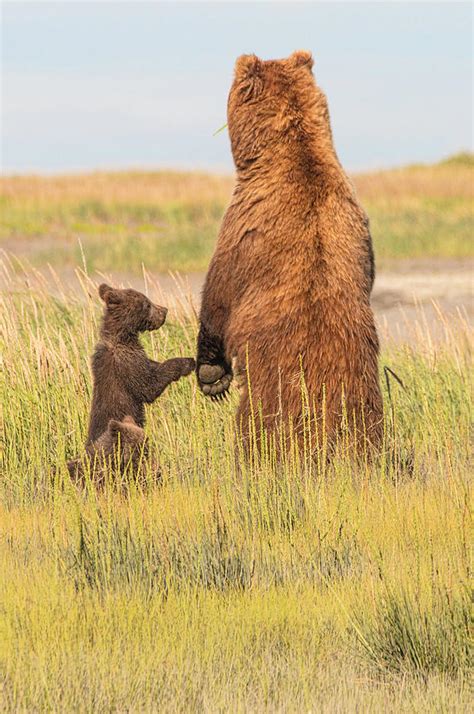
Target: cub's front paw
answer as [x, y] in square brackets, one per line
[188, 365]
[213, 380]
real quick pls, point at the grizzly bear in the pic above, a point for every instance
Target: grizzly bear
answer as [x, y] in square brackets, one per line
[124, 378]
[286, 300]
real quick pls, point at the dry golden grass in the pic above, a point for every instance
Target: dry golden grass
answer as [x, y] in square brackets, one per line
[170, 220]
[416, 182]
[440, 181]
[134, 187]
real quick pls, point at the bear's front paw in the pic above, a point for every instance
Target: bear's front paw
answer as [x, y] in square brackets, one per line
[213, 380]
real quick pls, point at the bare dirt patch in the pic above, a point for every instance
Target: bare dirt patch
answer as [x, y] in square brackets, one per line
[408, 296]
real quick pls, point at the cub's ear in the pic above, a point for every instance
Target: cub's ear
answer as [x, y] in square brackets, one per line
[302, 58]
[248, 71]
[114, 428]
[109, 295]
[125, 428]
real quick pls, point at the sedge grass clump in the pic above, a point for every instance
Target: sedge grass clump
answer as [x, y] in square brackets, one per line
[408, 635]
[113, 551]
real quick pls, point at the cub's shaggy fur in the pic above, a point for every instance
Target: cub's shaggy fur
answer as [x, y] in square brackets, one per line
[125, 379]
[287, 294]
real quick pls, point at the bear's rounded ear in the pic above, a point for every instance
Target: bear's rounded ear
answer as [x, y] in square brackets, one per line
[302, 58]
[108, 294]
[247, 66]
[248, 71]
[114, 428]
[125, 428]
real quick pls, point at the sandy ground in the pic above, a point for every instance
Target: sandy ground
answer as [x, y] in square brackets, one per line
[416, 294]
[407, 298]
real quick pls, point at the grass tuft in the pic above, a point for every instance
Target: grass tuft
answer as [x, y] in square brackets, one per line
[407, 635]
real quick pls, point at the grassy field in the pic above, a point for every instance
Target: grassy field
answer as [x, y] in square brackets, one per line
[299, 588]
[169, 221]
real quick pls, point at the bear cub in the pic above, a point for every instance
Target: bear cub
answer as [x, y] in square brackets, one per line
[124, 380]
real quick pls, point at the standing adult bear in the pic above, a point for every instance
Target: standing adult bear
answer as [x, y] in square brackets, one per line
[287, 293]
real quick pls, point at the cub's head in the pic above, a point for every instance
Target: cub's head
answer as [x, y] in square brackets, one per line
[266, 101]
[130, 312]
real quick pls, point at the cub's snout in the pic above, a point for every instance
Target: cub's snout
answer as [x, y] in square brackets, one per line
[157, 316]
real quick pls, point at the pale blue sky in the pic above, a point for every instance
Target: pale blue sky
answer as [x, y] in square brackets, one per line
[89, 85]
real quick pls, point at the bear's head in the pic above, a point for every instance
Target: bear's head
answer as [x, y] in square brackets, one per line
[130, 312]
[269, 101]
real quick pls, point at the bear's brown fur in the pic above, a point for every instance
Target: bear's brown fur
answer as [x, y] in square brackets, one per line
[124, 378]
[288, 288]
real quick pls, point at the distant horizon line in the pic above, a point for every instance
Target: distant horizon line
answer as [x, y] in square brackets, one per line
[209, 171]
